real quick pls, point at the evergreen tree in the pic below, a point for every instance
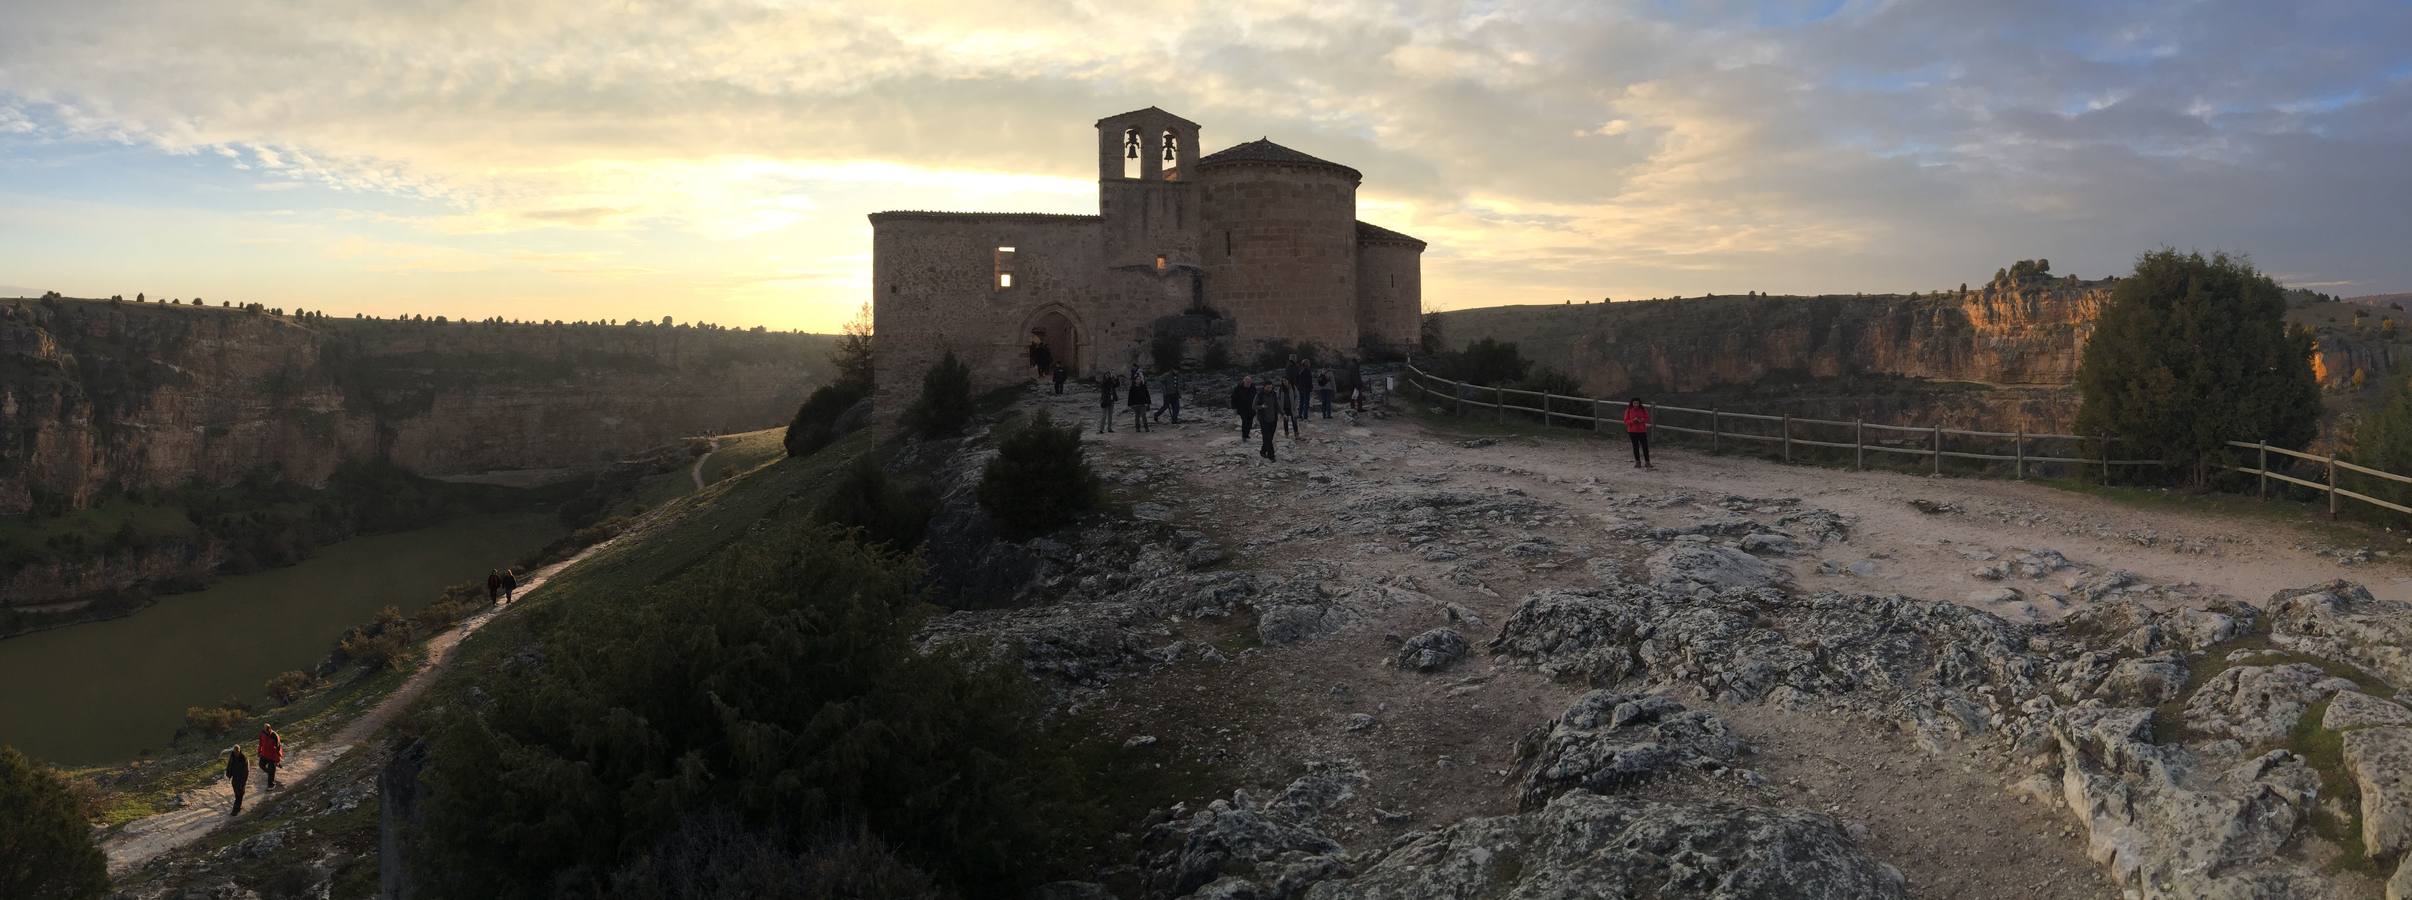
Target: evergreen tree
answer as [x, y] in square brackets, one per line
[2192, 352]
[852, 355]
[2383, 441]
[46, 850]
[1039, 480]
[945, 402]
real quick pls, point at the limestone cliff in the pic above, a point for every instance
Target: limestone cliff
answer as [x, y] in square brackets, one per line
[98, 397]
[2030, 332]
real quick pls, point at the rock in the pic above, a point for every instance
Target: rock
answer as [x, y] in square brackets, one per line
[1203, 556]
[1150, 512]
[2353, 709]
[1357, 722]
[2341, 620]
[2144, 681]
[2099, 587]
[2037, 563]
[2259, 704]
[2380, 761]
[1242, 838]
[1607, 740]
[1991, 596]
[1137, 741]
[1291, 624]
[1684, 567]
[1433, 650]
[1770, 544]
[1071, 890]
[1586, 845]
[2169, 833]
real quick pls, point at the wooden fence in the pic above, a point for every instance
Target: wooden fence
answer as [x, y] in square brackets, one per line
[2078, 452]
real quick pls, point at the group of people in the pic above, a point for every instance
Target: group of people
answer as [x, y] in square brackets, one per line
[502, 585]
[1284, 401]
[238, 768]
[1142, 402]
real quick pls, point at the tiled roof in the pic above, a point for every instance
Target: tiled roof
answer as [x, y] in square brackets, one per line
[1265, 151]
[1370, 233]
[894, 214]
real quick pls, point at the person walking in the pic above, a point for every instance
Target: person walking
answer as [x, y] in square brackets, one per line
[1323, 391]
[1106, 386]
[1293, 406]
[272, 753]
[238, 772]
[1041, 358]
[1172, 399]
[1243, 401]
[1301, 372]
[493, 586]
[510, 585]
[1139, 399]
[1356, 396]
[1637, 427]
[1060, 373]
[1268, 408]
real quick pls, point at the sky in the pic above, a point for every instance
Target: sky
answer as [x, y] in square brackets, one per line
[713, 160]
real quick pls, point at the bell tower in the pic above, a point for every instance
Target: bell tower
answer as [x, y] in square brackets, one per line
[1147, 162]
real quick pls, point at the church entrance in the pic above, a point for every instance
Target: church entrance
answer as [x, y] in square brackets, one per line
[1054, 329]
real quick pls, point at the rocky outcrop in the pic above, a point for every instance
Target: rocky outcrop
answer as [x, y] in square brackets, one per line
[2029, 332]
[1608, 740]
[116, 397]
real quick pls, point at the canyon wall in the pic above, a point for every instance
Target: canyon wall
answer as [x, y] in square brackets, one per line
[2025, 333]
[98, 398]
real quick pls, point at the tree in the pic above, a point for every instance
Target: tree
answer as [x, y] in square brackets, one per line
[2387, 327]
[2191, 353]
[138, 297]
[46, 850]
[852, 355]
[1432, 337]
[945, 402]
[2383, 440]
[1038, 480]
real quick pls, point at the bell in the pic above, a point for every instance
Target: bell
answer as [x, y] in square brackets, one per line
[1168, 148]
[1130, 145]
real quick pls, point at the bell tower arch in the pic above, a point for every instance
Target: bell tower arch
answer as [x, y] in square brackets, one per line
[1151, 208]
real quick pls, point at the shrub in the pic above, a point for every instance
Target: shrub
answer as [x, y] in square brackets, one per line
[46, 850]
[945, 403]
[2191, 353]
[1167, 350]
[1217, 355]
[775, 683]
[886, 512]
[2383, 440]
[287, 687]
[1038, 481]
[1432, 335]
[212, 721]
[816, 422]
[379, 644]
[714, 856]
[1487, 361]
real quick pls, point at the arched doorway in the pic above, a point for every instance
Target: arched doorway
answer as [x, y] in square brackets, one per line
[1055, 328]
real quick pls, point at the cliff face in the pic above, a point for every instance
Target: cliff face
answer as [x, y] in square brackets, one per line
[100, 397]
[2028, 333]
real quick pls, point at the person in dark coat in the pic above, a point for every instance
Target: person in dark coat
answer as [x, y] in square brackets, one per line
[493, 585]
[1139, 399]
[1172, 400]
[238, 772]
[1300, 374]
[1268, 409]
[1293, 406]
[1323, 391]
[1106, 386]
[1060, 374]
[1243, 401]
[510, 585]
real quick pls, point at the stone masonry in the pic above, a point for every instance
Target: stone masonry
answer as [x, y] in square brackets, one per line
[1259, 238]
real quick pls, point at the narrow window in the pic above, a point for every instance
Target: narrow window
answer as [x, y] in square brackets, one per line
[1159, 262]
[891, 287]
[1004, 280]
[1226, 242]
[1004, 268]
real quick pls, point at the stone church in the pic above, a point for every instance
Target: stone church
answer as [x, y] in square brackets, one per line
[1253, 243]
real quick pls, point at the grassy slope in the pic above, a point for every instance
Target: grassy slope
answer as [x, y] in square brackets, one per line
[740, 453]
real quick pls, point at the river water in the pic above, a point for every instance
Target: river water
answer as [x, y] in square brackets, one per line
[105, 691]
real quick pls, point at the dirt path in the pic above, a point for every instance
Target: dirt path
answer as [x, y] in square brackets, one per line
[203, 809]
[696, 472]
[1439, 748]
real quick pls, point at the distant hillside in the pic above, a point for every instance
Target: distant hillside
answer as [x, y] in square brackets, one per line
[123, 397]
[2382, 299]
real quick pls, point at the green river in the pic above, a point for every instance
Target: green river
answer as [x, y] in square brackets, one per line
[103, 692]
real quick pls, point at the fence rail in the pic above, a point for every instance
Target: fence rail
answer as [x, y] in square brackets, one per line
[1933, 448]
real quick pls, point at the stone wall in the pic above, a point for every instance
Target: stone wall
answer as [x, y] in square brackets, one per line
[1281, 251]
[1390, 290]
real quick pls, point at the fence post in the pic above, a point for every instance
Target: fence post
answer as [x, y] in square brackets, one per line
[1499, 399]
[1859, 444]
[2332, 485]
[1716, 430]
[2263, 492]
[1458, 391]
[1545, 408]
[1938, 449]
[1595, 416]
[1787, 437]
[2018, 450]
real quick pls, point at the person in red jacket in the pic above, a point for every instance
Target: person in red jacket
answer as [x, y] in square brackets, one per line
[1637, 427]
[272, 752]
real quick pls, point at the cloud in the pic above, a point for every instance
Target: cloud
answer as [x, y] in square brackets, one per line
[1549, 149]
